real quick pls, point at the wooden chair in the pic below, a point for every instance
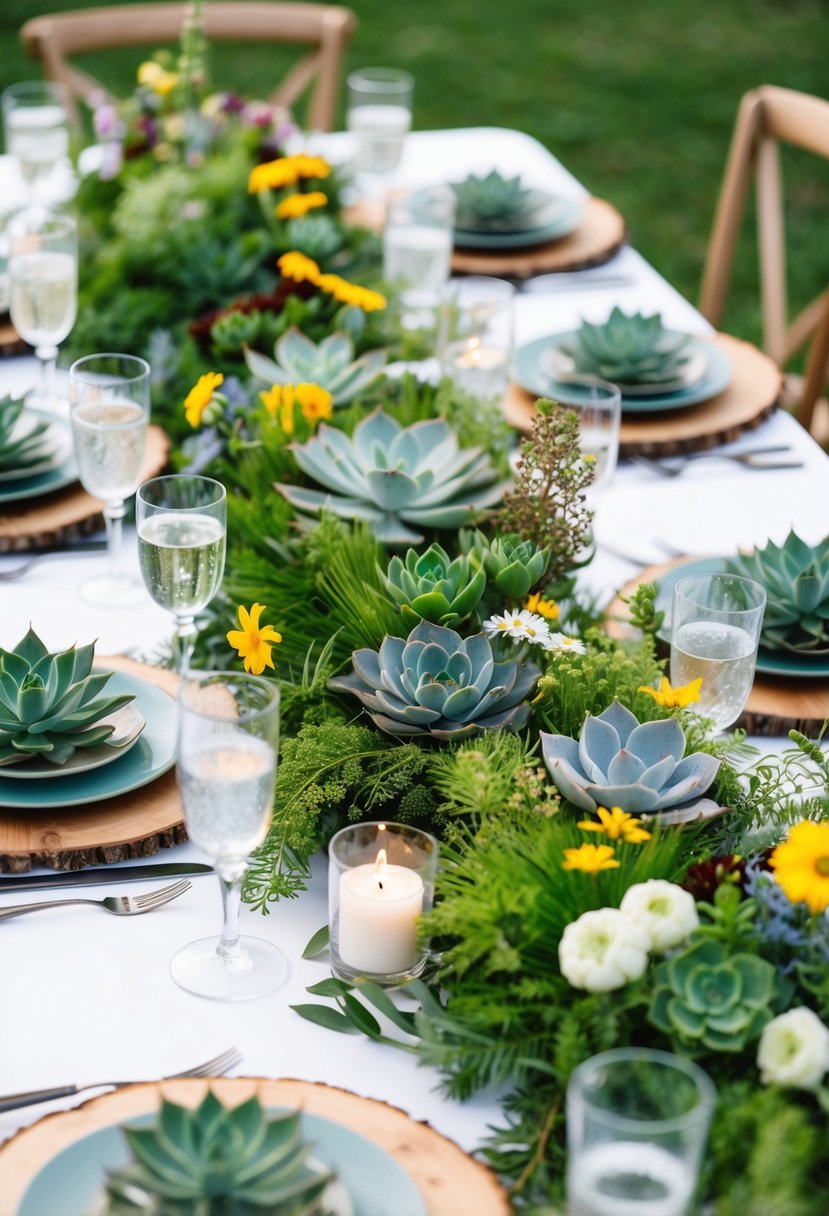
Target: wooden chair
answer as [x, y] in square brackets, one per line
[325, 28]
[767, 117]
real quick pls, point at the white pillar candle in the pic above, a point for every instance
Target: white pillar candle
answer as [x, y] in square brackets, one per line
[379, 907]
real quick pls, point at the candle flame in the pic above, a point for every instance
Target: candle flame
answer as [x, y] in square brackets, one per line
[475, 351]
[381, 862]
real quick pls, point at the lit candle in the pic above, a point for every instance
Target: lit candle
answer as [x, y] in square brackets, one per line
[480, 370]
[379, 907]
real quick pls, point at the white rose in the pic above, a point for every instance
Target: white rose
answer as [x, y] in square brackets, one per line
[794, 1050]
[603, 950]
[666, 912]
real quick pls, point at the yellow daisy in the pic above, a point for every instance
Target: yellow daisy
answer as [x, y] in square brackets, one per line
[200, 396]
[546, 608]
[297, 205]
[351, 293]
[157, 78]
[273, 175]
[310, 166]
[590, 858]
[252, 642]
[801, 865]
[315, 402]
[616, 824]
[297, 266]
[673, 698]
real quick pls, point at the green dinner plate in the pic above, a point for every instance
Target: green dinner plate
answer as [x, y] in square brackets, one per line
[529, 364]
[769, 663]
[55, 478]
[152, 755]
[73, 1180]
[564, 219]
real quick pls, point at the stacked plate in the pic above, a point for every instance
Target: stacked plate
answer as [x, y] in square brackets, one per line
[549, 217]
[53, 471]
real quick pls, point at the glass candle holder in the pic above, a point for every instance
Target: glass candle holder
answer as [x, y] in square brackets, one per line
[476, 335]
[381, 880]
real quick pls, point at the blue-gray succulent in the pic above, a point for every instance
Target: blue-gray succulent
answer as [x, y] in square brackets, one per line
[437, 683]
[619, 761]
[330, 364]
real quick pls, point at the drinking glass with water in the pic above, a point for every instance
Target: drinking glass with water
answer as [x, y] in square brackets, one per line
[379, 116]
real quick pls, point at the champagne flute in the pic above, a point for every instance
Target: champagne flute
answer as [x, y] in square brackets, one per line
[182, 523]
[36, 126]
[228, 739]
[109, 408]
[43, 289]
[715, 630]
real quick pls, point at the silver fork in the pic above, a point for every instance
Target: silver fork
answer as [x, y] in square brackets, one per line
[118, 905]
[747, 459]
[211, 1068]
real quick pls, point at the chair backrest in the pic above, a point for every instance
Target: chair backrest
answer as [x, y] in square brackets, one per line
[325, 28]
[767, 117]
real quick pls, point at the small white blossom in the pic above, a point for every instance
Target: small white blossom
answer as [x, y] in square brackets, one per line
[666, 912]
[560, 643]
[794, 1050]
[523, 626]
[603, 950]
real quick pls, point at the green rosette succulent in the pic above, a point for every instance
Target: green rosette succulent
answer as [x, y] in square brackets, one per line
[483, 201]
[795, 577]
[708, 998]
[629, 349]
[20, 450]
[330, 364]
[49, 703]
[436, 683]
[512, 565]
[217, 1162]
[429, 587]
[317, 236]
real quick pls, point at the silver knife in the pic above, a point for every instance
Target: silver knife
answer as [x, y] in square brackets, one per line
[90, 878]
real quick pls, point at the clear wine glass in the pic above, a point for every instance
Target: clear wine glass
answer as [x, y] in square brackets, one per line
[379, 116]
[715, 630]
[182, 524]
[598, 404]
[43, 290]
[35, 121]
[228, 740]
[109, 408]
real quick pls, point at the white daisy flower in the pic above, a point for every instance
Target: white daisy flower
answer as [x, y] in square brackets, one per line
[560, 643]
[523, 626]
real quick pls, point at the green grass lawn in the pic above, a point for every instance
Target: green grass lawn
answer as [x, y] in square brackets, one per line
[637, 99]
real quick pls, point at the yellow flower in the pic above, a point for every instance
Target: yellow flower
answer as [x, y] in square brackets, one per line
[673, 698]
[157, 78]
[200, 396]
[314, 401]
[616, 824]
[310, 166]
[801, 865]
[297, 205]
[351, 293]
[273, 175]
[254, 644]
[590, 858]
[298, 267]
[546, 608]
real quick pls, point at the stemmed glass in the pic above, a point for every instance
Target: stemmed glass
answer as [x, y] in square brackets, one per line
[36, 127]
[379, 114]
[598, 404]
[715, 631]
[109, 407]
[43, 286]
[228, 740]
[182, 523]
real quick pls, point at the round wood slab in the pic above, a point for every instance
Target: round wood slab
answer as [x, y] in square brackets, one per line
[754, 391]
[136, 824]
[10, 341]
[776, 704]
[39, 523]
[450, 1182]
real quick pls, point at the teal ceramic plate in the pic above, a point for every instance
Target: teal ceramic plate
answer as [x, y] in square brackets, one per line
[768, 663]
[128, 725]
[73, 1180]
[564, 219]
[54, 478]
[152, 755]
[529, 371]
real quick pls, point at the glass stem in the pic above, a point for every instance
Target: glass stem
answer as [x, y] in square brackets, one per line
[184, 643]
[114, 513]
[48, 358]
[229, 946]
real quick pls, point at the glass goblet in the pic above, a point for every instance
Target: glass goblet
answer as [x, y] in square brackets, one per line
[379, 115]
[43, 290]
[35, 121]
[109, 407]
[715, 630]
[228, 740]
[182, 524]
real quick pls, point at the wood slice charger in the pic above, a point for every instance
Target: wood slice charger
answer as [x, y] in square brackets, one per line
[136, 824]
[754, 391]
[10, 341]
[450, 1182]
[776, 704]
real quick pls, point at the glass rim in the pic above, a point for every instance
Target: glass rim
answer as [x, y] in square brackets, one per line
[204, 679]
[587, 381]
[42, 221]
[377, 80]
[740, 578]
[77, 370]
[501, 287]
[21, 88]
[177, 477]
[391, 825]
[706, 1089]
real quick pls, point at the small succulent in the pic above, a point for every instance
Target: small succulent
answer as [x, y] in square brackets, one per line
[217, 1162]
[706, 997]
[429, 587]
[391, 476]
[619, 761]
[514, 566]
[49, 703]
[631, 349]
[330, 364]
[23, 449]
[436, 683]
[795, 577]
[481, 200]
[317, 236]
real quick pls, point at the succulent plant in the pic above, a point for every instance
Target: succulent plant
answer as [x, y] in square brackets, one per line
[514, 566]
[631, 349]
[619, 761]
[331, 364]
[21, 450]
[796, 581]
[491, 198]
[49, 703]
[217, 1162]
[707, 997]
[429, 587]
[317, 236]
[387, 474]
[436, 683]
